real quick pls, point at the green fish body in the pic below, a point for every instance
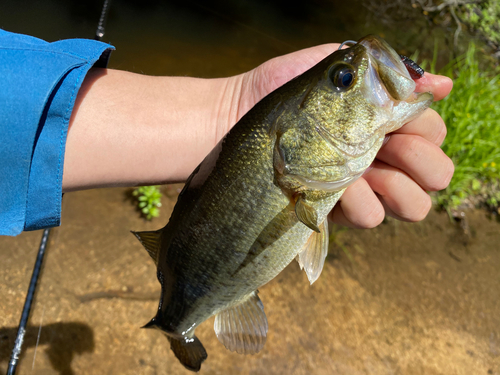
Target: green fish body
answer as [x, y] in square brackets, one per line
[260, 199]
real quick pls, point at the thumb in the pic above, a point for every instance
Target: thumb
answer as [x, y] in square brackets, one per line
[274, 73]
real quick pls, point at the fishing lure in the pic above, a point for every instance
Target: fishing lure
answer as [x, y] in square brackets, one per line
[414, 69]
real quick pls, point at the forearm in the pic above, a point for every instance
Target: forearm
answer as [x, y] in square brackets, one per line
[129, 129]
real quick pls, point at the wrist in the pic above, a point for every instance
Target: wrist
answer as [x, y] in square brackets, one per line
[129, 129]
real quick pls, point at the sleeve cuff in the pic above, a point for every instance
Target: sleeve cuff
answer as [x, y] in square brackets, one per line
[43, 208]
[40, 82]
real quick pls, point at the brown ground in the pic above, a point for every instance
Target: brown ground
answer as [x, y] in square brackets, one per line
[399, 299]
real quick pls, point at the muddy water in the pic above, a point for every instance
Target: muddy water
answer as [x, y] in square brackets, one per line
[399, 299]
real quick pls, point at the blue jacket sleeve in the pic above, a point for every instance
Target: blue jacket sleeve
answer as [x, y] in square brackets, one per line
[39, 82]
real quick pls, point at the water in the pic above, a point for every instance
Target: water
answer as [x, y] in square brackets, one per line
[399, 299]
[210, 39]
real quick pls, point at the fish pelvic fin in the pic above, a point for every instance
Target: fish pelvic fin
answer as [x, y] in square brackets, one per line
[242, 328]
[151, 241]
[306, 214]
[312, 256]
[189, 351]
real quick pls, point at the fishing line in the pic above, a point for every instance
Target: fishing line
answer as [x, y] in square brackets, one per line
[38, 339]
[348, 43]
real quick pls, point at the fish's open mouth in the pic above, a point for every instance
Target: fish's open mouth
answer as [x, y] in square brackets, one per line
[387, 78]
[396, 71]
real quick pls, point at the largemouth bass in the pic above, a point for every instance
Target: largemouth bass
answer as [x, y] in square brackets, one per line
[261, 197]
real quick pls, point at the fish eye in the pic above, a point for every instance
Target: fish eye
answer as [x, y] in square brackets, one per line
[342, 76]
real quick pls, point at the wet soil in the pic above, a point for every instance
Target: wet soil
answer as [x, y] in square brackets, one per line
[398, 299]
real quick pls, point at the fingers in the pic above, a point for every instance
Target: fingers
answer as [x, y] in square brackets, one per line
[429, 125]
[384, 190]
[406, 167]
[421, 159]
[400, 196]
[440, 86]
[358, 207]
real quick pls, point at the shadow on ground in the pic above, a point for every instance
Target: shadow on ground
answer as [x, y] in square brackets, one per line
[59, 341]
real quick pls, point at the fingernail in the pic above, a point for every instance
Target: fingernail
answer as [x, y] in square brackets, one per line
[386, 139]
[368, 169]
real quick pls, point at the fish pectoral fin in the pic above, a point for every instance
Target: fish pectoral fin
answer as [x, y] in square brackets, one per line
[151, 242]
[306, 214]
[190, 352]
[312, 256]
[243, 328]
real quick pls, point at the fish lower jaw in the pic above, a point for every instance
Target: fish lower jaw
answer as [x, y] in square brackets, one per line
[331, 178]
[329, 186]
[361, 148]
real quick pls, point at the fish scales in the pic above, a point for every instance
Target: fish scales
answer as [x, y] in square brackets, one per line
[252, 216]
[261, 197]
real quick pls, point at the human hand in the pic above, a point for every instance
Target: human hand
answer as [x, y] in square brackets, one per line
[408, 165]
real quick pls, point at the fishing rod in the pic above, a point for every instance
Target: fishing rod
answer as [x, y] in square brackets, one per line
[16, 352]
[30, 296]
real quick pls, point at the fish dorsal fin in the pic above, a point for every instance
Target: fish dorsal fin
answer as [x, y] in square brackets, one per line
[151, 242]
[306, 214]
[243, 328]
[312, 256]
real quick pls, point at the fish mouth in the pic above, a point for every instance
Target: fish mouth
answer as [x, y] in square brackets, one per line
[387, 79]
[386, 85]
[386, 65]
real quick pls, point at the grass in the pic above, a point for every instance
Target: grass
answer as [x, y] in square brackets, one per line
[472, 115]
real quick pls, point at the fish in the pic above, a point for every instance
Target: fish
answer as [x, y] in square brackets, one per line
[261, 197]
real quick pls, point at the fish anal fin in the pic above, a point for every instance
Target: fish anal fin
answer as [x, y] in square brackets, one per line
[151, 241]
[242, 328]
[312, 256]
[306, 214]
[189, 351]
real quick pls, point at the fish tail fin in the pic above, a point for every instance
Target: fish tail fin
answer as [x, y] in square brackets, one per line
[190, 353]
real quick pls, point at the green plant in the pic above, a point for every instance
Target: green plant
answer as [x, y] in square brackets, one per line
[149, 200]
[472, 114]
[482, 17]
